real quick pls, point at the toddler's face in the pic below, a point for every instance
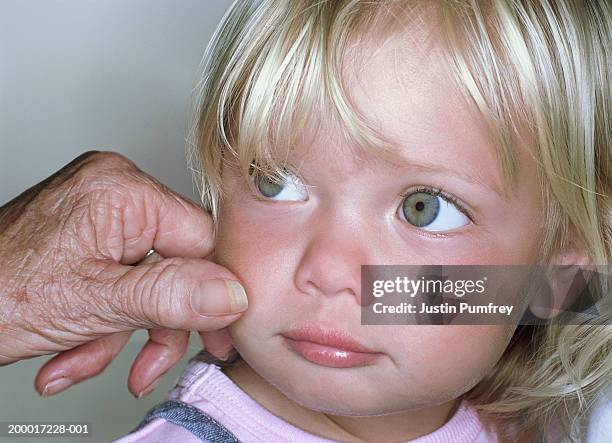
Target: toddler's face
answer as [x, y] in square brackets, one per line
[298, 250]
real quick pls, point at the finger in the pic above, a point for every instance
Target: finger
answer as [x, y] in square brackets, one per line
[155, 217]
[80, 363]
[175, 293]
[163, 350]
[218, 343]
[151, 257]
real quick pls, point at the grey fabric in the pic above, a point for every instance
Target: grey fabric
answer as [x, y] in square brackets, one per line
[191, 418]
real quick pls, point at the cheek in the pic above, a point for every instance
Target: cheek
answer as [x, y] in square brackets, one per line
[261, 261]
[247, 240]
[448, 359]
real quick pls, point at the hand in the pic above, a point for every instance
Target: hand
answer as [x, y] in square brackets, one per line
[73, 279]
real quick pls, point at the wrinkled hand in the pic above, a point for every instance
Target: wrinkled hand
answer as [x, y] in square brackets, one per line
[73, 280]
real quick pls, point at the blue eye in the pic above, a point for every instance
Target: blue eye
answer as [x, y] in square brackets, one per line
[291, 190]
[429, 210]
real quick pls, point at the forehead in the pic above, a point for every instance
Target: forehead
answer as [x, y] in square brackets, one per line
[403, 88]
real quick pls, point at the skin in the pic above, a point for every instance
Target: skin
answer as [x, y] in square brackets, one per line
[74, 279]
[68, 223]
[300, 260]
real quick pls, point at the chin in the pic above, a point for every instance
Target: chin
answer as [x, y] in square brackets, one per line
[361, 404]
[344, 397]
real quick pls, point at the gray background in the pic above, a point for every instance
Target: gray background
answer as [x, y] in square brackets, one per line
[95, 74]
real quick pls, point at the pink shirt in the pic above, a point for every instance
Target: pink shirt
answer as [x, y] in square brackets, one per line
[207, 388]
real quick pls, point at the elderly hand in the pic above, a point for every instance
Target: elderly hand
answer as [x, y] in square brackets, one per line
[73, 279]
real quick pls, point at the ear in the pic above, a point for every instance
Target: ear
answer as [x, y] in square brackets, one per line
[565, 278]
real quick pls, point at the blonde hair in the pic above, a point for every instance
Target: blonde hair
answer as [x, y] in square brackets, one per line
[538, 71]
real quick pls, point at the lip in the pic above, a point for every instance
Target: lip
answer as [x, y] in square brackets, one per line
[329, 347]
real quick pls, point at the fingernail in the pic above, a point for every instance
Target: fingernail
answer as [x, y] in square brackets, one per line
[227, 356]
[219, 297]
[55, 386]
[149, 388]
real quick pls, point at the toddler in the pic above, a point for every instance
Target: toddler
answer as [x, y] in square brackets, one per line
[334, 134]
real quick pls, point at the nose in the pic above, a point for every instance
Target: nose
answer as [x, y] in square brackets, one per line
[331, 264]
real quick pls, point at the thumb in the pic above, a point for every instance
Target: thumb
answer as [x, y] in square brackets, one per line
[176, 293]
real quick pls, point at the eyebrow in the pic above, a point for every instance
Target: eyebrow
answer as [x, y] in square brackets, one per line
[434, 167]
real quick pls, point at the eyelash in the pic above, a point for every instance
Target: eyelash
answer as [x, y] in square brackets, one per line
[438, 192]
[255, 194]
